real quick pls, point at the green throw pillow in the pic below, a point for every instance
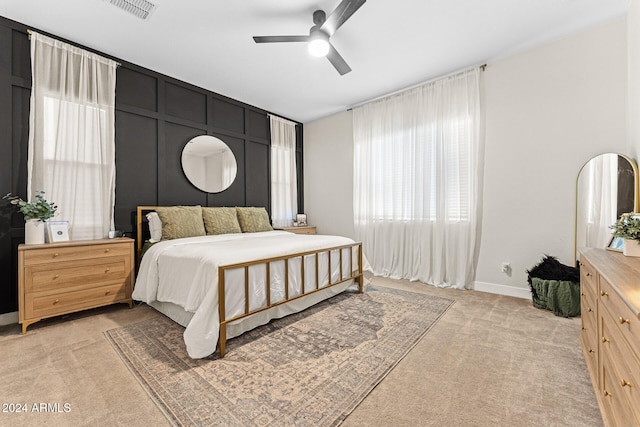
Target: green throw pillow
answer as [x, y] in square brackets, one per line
[253, 220]
[181, 221]
[220, 220]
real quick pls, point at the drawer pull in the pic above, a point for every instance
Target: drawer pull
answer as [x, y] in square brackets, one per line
[622, 320]
[107, 293]
[605, 339]
[107, 270]
[606, 393]
[588, 274]
[624, 383]
[590, 350]
[106, 250]
[604, 294]
[589, 310]
[55, 277]
[56, 301]
[581, 294]
[55, 255]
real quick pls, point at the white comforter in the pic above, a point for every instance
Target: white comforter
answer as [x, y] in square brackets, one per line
[185, 272]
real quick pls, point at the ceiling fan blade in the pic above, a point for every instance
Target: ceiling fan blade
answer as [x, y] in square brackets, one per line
[340, 15]
[338, 61]
[280, 39]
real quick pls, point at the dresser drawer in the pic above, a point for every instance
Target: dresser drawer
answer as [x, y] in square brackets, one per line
[588, 283]
[65, 276]
[627, 322]
[590, 351]
[624, 365]
[590, 328]
[587, 306]
[51, 305]
[57, 254]
[618, 410]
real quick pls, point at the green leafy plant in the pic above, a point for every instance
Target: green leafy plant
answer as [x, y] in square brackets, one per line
[627, 227]
[39, 209]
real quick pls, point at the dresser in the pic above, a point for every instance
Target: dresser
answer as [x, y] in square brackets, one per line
[303, 229]
[65, 277]
[610, 336]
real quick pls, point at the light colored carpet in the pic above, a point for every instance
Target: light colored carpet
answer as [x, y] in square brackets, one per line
[489, 361]
[308, 369]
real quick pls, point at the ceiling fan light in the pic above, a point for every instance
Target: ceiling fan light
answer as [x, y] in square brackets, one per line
[319, 44]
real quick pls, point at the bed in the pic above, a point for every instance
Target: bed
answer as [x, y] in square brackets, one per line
[221, 285]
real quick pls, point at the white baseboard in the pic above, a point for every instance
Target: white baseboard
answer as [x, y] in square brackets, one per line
[494, 288]
[8, 318]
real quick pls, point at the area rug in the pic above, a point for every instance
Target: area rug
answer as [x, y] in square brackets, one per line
[308, 369]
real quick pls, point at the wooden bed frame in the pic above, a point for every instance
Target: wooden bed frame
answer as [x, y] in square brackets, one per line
[355, 274]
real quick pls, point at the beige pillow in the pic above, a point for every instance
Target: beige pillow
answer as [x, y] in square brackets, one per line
[220, 220]
[181, 221]
[253, 220]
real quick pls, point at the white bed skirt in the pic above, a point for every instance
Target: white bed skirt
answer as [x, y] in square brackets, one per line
[240, 326]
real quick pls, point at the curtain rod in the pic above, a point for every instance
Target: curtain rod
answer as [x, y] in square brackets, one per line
[30, 32]
[482, 68]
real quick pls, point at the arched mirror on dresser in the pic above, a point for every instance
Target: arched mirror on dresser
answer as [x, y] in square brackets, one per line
[606, 187]
[209, 164]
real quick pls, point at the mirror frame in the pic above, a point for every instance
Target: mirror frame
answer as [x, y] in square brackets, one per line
[190, 175]
[634, 166]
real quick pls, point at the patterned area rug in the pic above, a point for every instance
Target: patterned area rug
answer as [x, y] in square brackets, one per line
[308, 369]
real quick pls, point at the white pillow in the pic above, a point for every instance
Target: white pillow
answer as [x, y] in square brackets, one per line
[155, 227]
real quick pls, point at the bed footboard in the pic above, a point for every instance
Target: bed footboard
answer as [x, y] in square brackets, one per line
[350, 254]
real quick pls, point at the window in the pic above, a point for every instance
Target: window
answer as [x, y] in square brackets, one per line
[417, 169]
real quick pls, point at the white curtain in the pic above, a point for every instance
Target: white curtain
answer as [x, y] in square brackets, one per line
[284, 189]
[418, 164]
[72, 135]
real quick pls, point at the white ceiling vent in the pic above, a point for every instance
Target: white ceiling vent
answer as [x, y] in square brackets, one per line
[139, 8]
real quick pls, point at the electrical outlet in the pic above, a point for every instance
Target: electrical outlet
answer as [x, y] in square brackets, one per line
[506, 267]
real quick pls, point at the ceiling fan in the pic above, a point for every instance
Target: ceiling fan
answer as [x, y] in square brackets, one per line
[320, 33]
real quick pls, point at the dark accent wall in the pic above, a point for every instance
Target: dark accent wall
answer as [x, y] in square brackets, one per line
[155, 117]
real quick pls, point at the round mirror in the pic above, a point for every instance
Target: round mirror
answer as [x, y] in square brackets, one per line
[606, 188]
[209, 164]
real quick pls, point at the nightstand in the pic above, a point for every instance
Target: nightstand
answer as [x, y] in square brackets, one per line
[65, 277]
[303, 229]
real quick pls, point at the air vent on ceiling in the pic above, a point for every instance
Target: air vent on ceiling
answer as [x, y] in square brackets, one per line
[140, 8]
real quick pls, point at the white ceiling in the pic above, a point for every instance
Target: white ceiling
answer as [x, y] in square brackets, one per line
[390, 45]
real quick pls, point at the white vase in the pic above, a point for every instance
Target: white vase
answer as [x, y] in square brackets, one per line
[631, 247]
[34, 232]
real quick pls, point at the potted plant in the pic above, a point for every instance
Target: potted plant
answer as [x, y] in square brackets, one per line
[35, 214]
[628, 228]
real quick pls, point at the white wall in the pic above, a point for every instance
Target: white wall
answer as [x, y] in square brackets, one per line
[548, 111]
[328, 174]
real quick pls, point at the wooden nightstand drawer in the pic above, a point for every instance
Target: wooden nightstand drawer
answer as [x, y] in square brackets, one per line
[58, 253]
[303, 229]
[51, 305]
[84, 273]
[61, 278]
